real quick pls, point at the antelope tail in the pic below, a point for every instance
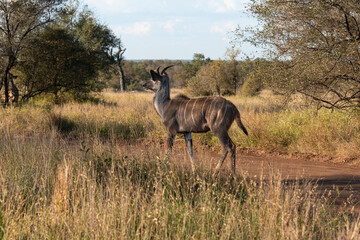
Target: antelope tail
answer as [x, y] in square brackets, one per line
[240, 124]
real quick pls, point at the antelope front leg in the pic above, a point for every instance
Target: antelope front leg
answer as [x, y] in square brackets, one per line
[189, 146]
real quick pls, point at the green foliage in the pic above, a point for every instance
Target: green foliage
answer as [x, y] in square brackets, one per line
[73, 68]
[98, 39]
[315, 53]
[78, 48]
[191, 68]
[136, 72]
[209, 78]
[20, 21]
[218, 77]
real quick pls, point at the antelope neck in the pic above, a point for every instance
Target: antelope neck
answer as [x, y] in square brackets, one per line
[161, 99]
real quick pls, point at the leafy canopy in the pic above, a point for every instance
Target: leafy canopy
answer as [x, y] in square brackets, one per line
[314, 46]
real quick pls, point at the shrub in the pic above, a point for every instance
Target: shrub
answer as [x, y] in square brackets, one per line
[252, 86]
[195, 87]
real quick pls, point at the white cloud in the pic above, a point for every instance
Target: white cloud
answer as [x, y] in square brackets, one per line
[170, 25]
[117, 5]
[126, 6]
[133, 6]
[222, 6]
[224, 28]
[138, 28]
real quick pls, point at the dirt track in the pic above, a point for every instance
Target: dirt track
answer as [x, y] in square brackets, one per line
[328, 176]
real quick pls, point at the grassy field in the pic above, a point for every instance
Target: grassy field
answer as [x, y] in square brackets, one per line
[97, 171]
[297, 128]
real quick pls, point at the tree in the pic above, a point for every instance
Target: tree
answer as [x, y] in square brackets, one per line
[72, 66]
[19, 20]
[232, 69]
[78, 48]
[136, 74]
[97, 38]
[191, 68]
[315, 47]
[210, 79]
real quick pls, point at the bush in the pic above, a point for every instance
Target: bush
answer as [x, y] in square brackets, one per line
[195, 87]
[252, 86]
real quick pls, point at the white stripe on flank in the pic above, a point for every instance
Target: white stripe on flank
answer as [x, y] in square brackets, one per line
[202, 111]
[210, 107]
[213, 107]
[179, 111]
[192, 112]
[218, 113]
[226, 106]
[185, 111]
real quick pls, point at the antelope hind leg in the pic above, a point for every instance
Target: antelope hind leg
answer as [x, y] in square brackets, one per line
[189, 146]
[233, 157]
[170, 143]
[222, 159]
[227, 146]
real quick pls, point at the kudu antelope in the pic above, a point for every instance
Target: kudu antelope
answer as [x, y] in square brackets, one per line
[194, 115]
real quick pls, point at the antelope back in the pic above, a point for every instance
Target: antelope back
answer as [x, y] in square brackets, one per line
[201, 114]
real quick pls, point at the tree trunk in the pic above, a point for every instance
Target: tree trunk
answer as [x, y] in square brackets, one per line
[119, 59]
[14, 89]
[122, 78]
[218, 91]
[5, 79]
[6, 87]
[235, 84]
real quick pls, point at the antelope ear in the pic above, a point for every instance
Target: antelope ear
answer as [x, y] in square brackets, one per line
[155, 76]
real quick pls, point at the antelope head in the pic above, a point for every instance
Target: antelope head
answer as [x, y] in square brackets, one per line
[158, 80]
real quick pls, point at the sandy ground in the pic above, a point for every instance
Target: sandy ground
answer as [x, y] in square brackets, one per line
[328, 176]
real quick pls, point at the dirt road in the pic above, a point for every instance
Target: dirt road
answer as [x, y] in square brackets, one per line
[328, 176]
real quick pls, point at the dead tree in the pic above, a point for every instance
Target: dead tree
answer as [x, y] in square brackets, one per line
[119, 60]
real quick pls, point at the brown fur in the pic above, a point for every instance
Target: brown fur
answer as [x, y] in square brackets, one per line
[181, 96]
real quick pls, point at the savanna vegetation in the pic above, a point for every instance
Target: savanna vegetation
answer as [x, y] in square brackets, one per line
[80, 159]
[98, 170]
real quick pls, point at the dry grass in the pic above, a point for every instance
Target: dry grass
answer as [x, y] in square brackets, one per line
[72, 172]
[298, 129]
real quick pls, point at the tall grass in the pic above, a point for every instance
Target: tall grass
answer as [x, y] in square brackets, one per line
[94, 191]
[96, 171]
[274, 127]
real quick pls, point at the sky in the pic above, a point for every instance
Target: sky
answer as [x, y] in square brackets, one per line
[174, 29]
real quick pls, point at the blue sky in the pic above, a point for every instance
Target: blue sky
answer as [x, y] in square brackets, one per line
[170, 29]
